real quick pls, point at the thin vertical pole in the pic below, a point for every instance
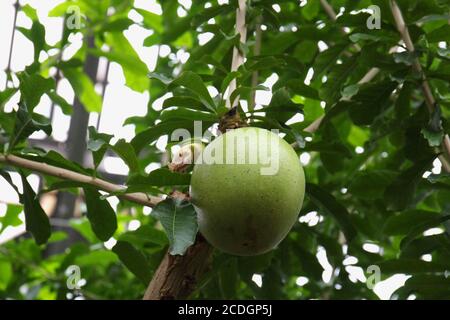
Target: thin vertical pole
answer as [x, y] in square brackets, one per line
[8, 67]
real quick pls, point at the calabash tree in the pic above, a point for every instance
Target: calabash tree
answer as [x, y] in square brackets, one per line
[360, 90]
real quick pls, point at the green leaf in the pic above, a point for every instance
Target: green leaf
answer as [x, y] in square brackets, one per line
[187, 114]
[11, 217]
[167, 127]
[26, 124]
[151, 20]
[264, 63]
[7, 177]
[83, 227]
[64, 184]
[311, 10]
[180, 223]
[229, 278]
[434, 132]
[255, 264]
[160, 177]
[377, 35]
[98, 143]
[400, 193]
[36, 33]
[57, 236]
[126, 151]
[32, 87]
[145, 235]
[370, 101]
[161, 77]
[6, 95]
[115, 25]
[244, 92]
[332, 147]
[36, 220]
[419, 229]
[350, 91]
[65, 106]
[423, 245]
[184, 101]
[122, 52]
[326, 59]
[194, 83]
[332, 207]
[6, 274]
[309, 263]
[301, 89]
[434, 138]
[227, 80]
[56, 159]
[410, 266]
[134, 260]
[438, 34]
[100, 214]
[405, 222]
[336, 79]
[405, 57]
[184, 41]
[433, 17]
[427, 286]
[281, 107]
[97, 259]
[370, 184]
[209, 13]
[152, 40]
[84, 89]
[61, 9]
[442, 177]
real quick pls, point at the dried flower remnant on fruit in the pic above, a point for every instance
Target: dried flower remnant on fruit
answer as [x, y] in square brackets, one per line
[231, 120]
[178, 195]
[186, 156]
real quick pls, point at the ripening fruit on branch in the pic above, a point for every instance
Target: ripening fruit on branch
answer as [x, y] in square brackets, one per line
[247, 189]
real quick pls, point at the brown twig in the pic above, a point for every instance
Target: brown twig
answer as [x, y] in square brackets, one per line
[138, 197]
[238, 56]
[428, 94]
[328, 9]
[372, 73]
[256, 52]
[314, 126]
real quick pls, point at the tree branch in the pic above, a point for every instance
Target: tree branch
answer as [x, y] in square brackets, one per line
[256, 52]
[314, 126]
[372, 73]
[428, 94]
[177, 276]
[328, 9]
[138, 197]
[404, 32]
[238, 57]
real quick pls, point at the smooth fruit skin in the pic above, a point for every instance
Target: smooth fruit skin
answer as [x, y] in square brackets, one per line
[240, 211]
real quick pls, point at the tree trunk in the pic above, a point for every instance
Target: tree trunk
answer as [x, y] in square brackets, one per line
[177, 276]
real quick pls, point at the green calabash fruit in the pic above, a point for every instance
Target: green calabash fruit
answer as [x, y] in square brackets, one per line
[247, 189]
